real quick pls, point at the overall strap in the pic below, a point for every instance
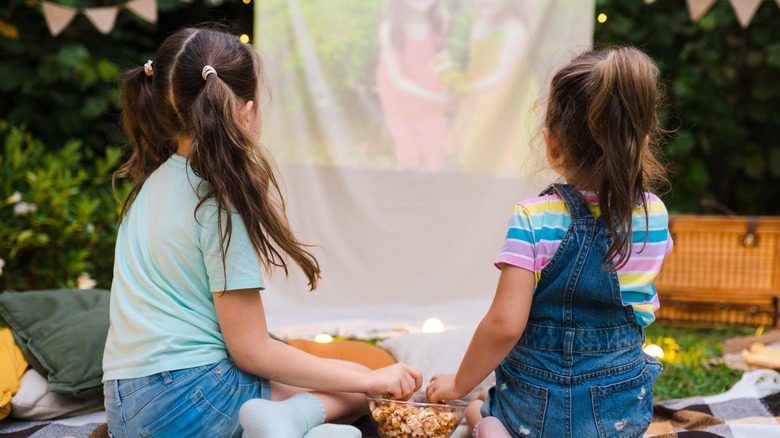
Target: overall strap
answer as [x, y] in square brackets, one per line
[575, 201]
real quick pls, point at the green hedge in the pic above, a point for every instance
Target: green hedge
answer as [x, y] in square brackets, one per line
[723, 91]
[59, 221]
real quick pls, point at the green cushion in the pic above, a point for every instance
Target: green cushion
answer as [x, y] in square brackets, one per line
[62, 334]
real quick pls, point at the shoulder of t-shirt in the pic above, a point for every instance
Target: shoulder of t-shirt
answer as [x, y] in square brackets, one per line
[539, 205]
[655, 206]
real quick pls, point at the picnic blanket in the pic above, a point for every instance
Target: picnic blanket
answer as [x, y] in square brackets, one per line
[93, 426]
[83, 426]
[750, 409]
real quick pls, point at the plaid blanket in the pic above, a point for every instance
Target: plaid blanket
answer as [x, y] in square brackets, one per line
[750, 409]
[10, 428]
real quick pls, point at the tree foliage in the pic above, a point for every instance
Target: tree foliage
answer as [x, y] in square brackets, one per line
[59, 217]
[65, 87]
[723, 86]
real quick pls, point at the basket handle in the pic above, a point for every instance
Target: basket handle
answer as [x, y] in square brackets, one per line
[750, 239]
[708, 203]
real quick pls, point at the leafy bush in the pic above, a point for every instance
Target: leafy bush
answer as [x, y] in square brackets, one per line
[58, 213]
[65, 86]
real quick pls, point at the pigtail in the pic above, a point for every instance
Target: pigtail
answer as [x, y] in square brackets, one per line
[141, 122]
[240, 178]
[603, 111]
[621, 118]
[182, 100]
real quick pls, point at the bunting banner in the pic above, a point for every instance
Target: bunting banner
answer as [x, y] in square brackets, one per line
[745, 9]
[697, 8]
[145, 9]
[103, 18]
[58, 17]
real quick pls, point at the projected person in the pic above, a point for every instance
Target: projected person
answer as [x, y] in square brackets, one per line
[490, 126]
[413, 98]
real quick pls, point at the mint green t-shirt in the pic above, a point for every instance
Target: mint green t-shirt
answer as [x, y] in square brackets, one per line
[168, 263]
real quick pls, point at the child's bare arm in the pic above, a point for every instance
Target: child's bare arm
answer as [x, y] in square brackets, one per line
[243, 324]
[494, 338]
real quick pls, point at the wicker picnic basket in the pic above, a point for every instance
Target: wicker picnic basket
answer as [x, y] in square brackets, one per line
[721, 270]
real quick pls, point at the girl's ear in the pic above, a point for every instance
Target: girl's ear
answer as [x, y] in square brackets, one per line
[554, 155]
[553, 151]
[245, 112]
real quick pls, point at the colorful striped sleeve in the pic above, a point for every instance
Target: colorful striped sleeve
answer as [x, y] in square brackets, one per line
[519, 247]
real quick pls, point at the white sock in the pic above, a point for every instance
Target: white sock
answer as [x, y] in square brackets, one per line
[330, 430]
[290, 418]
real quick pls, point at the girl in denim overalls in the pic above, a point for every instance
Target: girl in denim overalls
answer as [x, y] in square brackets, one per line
[565, 330]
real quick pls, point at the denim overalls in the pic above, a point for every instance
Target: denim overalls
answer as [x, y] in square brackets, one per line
[578, 371]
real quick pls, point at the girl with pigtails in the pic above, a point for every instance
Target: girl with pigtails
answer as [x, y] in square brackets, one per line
[565, 330]
[188, 351]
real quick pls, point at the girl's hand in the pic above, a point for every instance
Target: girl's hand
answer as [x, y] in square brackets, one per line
[398, 382]
[442, 387]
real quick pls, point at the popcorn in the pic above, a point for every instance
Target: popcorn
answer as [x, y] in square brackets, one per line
[407, 420]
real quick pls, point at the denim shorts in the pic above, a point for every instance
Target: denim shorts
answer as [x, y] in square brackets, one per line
[192, 402]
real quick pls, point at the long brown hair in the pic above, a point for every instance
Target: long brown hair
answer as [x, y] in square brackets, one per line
[177, 102]
[603, 112]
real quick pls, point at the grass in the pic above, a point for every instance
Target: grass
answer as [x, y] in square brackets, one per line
[691, 365]
[690, 360]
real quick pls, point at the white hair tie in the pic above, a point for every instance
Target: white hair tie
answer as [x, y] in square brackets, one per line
[148, 68]
[207, 70]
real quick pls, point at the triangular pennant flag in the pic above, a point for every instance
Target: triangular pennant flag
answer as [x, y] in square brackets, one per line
[57, 17]
[103, 18]
[745, 10]
[146, 9]
[697, 8]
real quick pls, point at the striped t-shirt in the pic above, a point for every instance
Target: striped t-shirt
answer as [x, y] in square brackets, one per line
[537, 228]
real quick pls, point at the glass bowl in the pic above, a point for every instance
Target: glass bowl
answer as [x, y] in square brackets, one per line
[408, 419]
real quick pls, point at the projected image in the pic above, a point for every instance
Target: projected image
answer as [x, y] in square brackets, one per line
[417, 85]
[412, 46]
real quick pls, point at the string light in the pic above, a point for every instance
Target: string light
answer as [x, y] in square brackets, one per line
[244, 38]
[433, 325]
[323, 338]
[654, 350]
[602, 18]
[246, 2]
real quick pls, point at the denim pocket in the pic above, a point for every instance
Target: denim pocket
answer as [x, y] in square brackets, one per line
[227, 375]
[194, 416]
[520, 405]
[624, 409]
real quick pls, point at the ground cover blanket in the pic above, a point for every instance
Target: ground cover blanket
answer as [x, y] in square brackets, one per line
[83, 426]
[94, 426]
[750, 409]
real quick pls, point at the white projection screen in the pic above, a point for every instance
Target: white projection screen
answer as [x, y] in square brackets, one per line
[404, 132]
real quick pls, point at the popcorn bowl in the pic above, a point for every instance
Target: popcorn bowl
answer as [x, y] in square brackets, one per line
[412, 419]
